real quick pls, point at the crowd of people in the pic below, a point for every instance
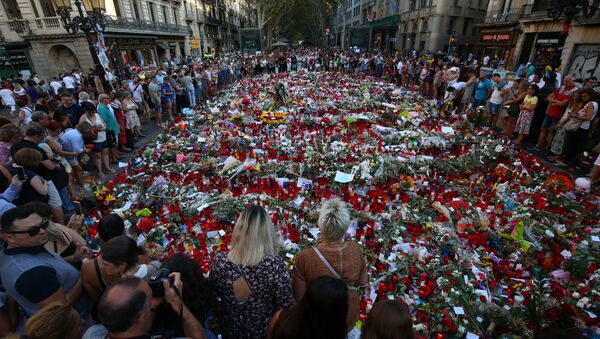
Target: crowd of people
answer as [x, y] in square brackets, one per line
[78, 122]
[124, 293]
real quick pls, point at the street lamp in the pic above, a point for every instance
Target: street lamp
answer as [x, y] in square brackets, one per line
[89, 23]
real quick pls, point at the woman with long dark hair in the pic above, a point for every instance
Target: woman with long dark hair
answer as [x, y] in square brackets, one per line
[198, 296]
[321, 313]
[388, 319]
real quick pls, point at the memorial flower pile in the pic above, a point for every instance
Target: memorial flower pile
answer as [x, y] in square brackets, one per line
[479, 239]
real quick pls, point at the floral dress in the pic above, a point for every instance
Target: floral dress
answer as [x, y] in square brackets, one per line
[131, 117]
[525, 117]
[558, 143]
[271, 289]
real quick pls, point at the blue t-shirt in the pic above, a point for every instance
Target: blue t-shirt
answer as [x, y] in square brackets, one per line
[481, 92]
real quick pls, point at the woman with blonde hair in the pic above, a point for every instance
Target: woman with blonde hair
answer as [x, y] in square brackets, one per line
[333, 257]
[251, 280]
[55, 321]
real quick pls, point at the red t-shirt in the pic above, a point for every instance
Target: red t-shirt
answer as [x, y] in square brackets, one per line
[561, 94]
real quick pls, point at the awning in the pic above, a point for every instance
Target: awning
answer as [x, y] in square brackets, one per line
[163, 45]
[390, 21]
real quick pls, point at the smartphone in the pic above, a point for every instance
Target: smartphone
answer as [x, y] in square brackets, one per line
[20, 173]
[77, 207]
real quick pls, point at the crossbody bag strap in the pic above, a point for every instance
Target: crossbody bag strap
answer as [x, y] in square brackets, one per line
[99, 275]
[327, 264]
[331, 269]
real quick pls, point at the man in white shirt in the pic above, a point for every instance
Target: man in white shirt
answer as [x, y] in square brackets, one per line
[8, 98]
[537, 79]
[495, 102]
[56, 85]
[486, 60]
[69, 82]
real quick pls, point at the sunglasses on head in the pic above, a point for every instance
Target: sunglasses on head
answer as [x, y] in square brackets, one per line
[34, 230]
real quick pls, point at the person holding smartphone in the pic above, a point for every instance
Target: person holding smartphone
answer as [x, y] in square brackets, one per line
[10, 194]
[33, 186]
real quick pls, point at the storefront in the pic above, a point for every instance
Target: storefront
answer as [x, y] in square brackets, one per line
[130, 50]
[498, 45]
[542, 49]
[384, 32]
[15, 59]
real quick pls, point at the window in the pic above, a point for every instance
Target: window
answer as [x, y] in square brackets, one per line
[465, 27]
[451, 26]
[136, 9]
[425, 26]
[455, 3]
[175, 16]
[47, 8]
[423, 3]
[12, 9]
[165, 16]
[117, 6]
[413, 5]
[152, 11]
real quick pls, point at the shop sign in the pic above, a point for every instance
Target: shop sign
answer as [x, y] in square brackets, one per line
[496, 38]
[547, 41]
[585, 62]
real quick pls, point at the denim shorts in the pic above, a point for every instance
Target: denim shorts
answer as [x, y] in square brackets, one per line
[549, 123]
[494, 108]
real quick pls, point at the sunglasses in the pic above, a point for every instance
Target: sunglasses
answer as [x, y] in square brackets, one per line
[34, 230]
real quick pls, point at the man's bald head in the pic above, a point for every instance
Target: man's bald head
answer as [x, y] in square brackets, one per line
[569, 81]
[122, 304]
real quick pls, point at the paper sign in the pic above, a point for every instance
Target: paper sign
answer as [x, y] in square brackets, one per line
[282, 181]
[304, 183]
[471, 336]
[459, 310]
[447, 130]
[140, 240]
[201, 139]
[298, 201]
[595, 238]
[123, 164]
[343, 177]
[566, 254]
[314, 231]
[202, 207]
[591, 315]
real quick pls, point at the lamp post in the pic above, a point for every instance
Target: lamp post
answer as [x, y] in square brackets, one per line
[89, 22]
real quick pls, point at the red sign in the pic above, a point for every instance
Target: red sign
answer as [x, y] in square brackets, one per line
[496, 38]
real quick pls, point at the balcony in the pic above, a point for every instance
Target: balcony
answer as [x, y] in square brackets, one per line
[44, 26]
[535, 12]
[214, 21]
[14, 30]
[130, 25]
[500, 17]
[190, 16]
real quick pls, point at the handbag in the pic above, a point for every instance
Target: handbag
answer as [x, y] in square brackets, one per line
[573, 124]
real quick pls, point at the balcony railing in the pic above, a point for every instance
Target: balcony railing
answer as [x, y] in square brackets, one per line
[535, 11]
[18, 25]
[214, 21]
[500, 17]
[131, 24]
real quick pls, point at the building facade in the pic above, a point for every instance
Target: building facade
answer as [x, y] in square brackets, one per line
[521, 31]
[138, 32]
[440, 25]
[421, 25]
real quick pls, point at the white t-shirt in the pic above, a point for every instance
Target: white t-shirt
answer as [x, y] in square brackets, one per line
[496, 97]
[69, 82]
[7, 97]
[486, 60]
[136, 92]
[55, 86]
